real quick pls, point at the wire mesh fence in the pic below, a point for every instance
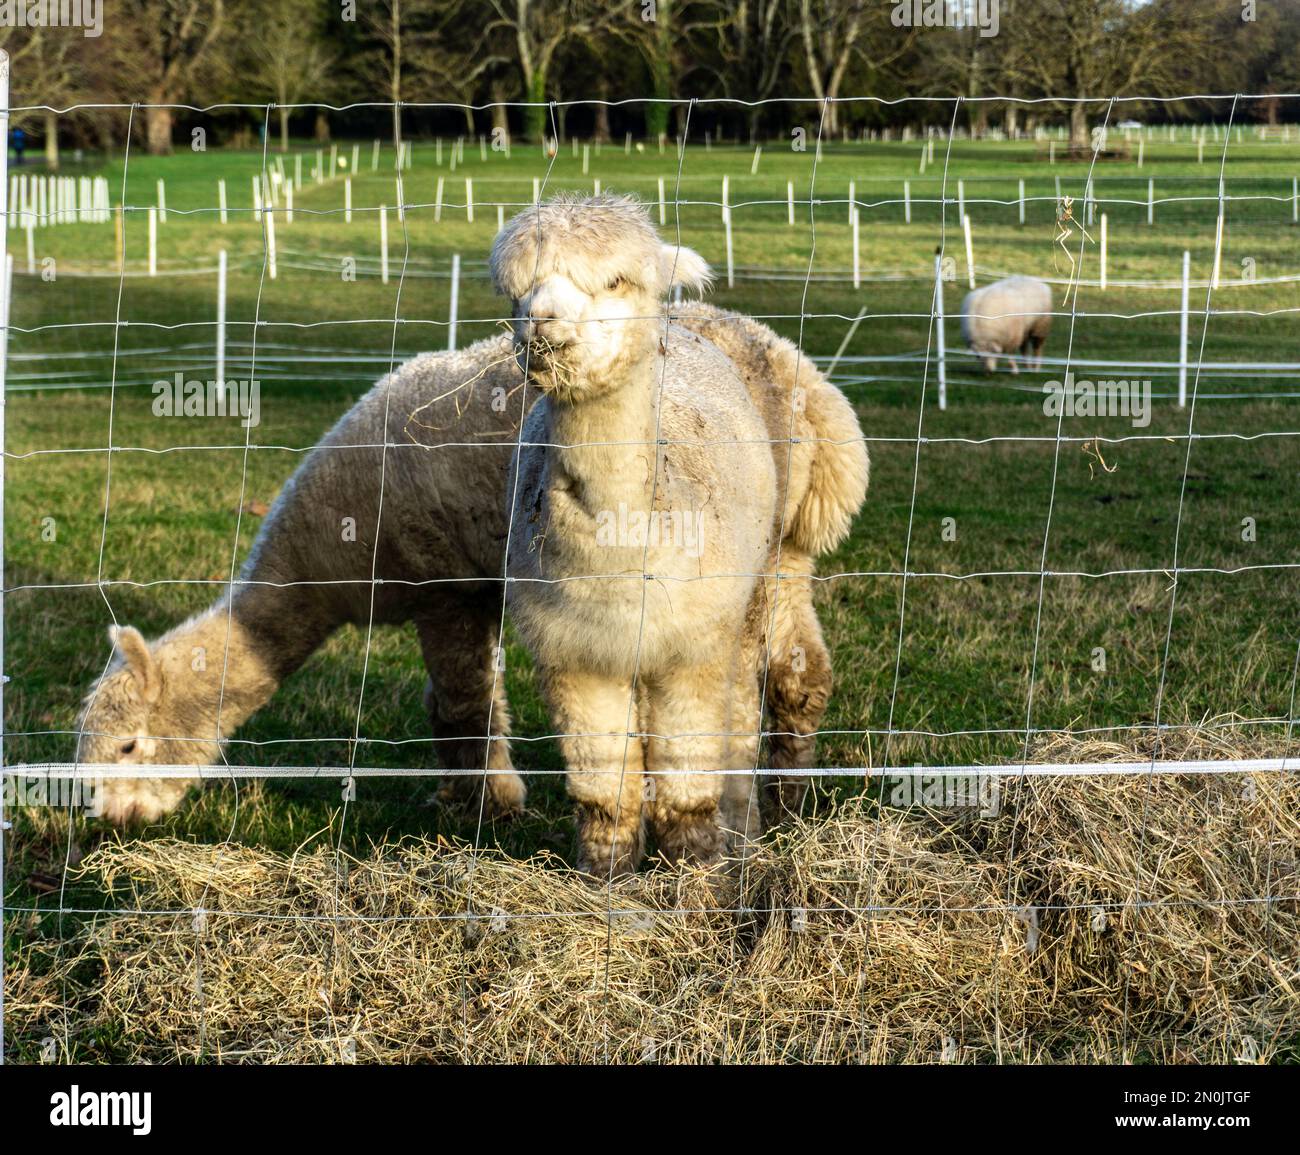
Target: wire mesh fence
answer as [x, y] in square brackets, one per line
[1195, 745]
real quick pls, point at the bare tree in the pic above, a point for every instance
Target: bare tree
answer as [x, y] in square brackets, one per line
[46, 67]
[1090, 50]
[289, 58]
[751, 45]
[162, 48]
[537, 30]
[837, 33]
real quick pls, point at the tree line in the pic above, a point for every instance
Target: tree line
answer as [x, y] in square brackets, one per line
[526, 66]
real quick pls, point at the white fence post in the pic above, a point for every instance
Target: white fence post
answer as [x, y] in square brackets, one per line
[162, 201]
[288, 204]
[1218, 246]
[221, 320]
[663, 206]
[269, 215]
[1103, 252]
[857, 265]
[731, 267]
[1182, 330]
[907, 202]
[347, 200]
[383, 243]
[1022, 202]
[153, 241]
[970, 251]
[789, 201]
[437, 202]
[455, 301]
[221, 200]
[941, 357]
[469, 200]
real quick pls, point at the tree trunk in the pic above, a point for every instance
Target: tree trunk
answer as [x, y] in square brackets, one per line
[1013, 121]
[284, 129]
[158, 130]
[600, 130]
[536, 120]
[1079, 141]
[322, 126]
[500, 113]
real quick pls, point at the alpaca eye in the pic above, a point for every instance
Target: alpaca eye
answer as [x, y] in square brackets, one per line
[129, 747]
[616, 283]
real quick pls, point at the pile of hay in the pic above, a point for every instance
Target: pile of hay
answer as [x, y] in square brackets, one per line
[873, 935]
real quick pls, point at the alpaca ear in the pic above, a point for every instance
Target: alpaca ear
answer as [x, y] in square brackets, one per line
[685, 267]
[139, 660]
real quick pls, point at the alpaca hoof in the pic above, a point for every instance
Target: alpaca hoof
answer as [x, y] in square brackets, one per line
[697, 838]
[123, 801]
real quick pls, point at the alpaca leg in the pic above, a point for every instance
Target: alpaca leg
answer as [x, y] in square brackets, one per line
[465, 699]
[798, 687]
[690, 718]
[590, 713]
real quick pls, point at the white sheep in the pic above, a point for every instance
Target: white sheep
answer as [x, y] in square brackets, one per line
[1011, 316]
[441, 558]
[649, 646]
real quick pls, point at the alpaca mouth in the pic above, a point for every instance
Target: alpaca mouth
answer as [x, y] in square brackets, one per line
[547, 366]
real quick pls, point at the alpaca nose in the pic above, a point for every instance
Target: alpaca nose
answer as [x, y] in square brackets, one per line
[542, 324]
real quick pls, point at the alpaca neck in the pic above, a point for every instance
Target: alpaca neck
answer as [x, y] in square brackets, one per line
[215, 673]
[606, 443]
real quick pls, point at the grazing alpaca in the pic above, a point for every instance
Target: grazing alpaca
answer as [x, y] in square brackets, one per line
[644, 423]
[309, 572]
[1010, 316]
[443, 519]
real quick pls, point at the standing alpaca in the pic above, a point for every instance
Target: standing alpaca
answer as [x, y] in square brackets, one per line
[647, 423]
[1010, 316]
[443, 519]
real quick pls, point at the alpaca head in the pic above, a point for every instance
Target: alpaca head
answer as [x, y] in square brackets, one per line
[587, 277]
[128, 714]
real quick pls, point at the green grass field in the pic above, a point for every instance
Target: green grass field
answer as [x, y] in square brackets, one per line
[988, 462]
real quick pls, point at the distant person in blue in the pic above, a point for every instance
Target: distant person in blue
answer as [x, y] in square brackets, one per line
[20, 143]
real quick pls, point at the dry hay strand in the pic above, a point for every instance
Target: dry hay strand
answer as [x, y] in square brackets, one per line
[872, 935]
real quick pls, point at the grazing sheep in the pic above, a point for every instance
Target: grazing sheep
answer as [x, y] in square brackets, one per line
[655, 632]
[1008, 317]
[443, 519]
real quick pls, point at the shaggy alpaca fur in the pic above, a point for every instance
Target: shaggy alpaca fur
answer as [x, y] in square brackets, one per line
[309, 573]
[1010, 316]
[646, 423]
[822, 471]
[443, 519]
